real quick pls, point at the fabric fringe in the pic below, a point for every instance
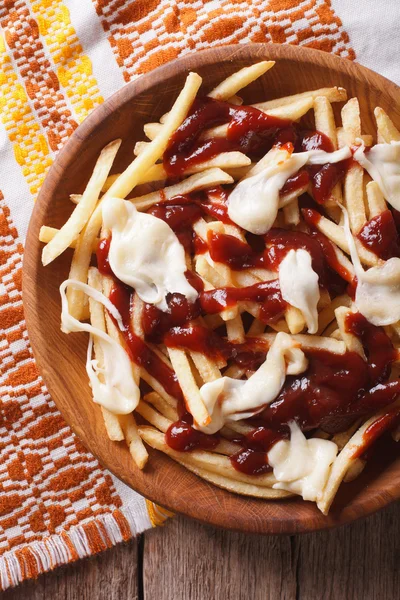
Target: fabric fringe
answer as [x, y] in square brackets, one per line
[68, 546]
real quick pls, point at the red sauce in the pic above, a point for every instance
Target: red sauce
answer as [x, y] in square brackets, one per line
[198, 339]
[385, 422]
[377, 346]
[216, 204]
[329, 387]
[182, 436]
[231, 251]
[252, 459]
[251, 462]
[267, 293]
[180, 214]
[324, 179]
[157, 323]
[249, 130]
[102, 252]
[122, 298]
[297, 182]
[312, 218]
[380, 236]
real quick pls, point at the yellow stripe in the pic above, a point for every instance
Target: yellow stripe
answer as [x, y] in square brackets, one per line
[157, 514]
[74, 69]
[30, 146]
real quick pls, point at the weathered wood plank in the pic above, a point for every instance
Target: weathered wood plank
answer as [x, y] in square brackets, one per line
[360, 562]
[187, 560]
[111, 575]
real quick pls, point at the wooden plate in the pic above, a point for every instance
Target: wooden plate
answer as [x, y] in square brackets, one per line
[61, 358]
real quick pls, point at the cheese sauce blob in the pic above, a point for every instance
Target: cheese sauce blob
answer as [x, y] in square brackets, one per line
[254, 203]
[228, 399]
[145, 253]
[112, 383]
[382, 162]
[378, 289]
[300, 465]
[299, 285]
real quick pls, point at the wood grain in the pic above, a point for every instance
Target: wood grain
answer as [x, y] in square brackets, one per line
[188, 561]
[62, 358]
[111, 575]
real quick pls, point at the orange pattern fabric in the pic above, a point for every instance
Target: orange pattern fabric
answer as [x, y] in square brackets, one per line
[58, 60]
[147, 33]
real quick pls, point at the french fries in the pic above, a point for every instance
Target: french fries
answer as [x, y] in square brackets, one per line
[234, 336]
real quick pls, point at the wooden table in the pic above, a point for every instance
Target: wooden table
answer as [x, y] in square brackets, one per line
[188, 561]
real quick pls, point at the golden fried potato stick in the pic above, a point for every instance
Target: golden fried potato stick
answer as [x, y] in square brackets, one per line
[191, 392]
[199, 181]
[71, 229]
[353, 186]
[387, 131]
[239, 80]
[127, 422]
[111, 421]
[122, 187]
[346, 458]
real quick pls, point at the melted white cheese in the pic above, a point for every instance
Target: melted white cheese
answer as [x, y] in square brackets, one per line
[383, 164]
[145, 253]
[254, 202]
[228, 399]
[117, 392]
[302, 466]
[378, 289]
[299, 285]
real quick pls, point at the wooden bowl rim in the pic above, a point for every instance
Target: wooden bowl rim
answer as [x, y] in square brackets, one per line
[77, 141]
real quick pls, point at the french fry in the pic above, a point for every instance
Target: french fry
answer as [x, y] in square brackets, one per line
[234, 162]
[354, 470]
[345, 459]
[236, 100]
[353, 343]
[46, 234]
[125, 183]
[234, 83]
[111, 421]
[327, 315]
[209, 370]
[134, 441]
[236, 487]
[292, 112]
[199, 181]
[153, 417]
[73, 226]
[235, 330]
[309, 342]
[127, 422]
[294, 319]
[387, 131]
[213, 462]
[376, 201]
[336, 234]
[324, 119]
[334, 94]
[161, 405]
[108, 182]
[188, 385]
[291, 213]
[353, 187]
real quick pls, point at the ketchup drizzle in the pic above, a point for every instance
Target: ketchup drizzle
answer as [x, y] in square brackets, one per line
[335, 389]
[122, 298]
[380, 236]
[249, 130]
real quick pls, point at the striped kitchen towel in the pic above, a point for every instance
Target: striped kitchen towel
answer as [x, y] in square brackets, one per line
[59, 59]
